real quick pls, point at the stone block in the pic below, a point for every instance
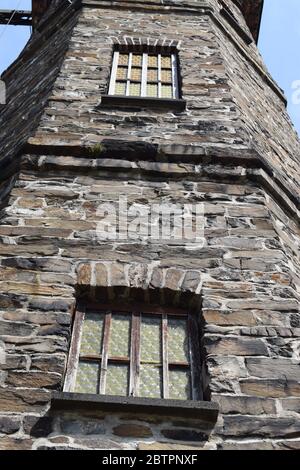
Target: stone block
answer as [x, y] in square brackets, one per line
[244, 405]
[9, 424]
[272, 368]
[275, 388]
[235, 346]
[132, 430]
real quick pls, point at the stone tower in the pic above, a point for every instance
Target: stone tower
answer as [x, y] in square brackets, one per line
[135, 341]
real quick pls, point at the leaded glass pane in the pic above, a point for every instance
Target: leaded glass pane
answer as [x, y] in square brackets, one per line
[166, 76]
[120, 88]
[152, 75]
[177, 341]
[123, 59]
[136, 74]
[135, 89]
[87, 378]
[122, 73]
[152, 90]
[117, 379]
[91, 341]
[151, 339]
[166, 62]
[119, 342]
[137, 60]
[150, 381]
[179, 384]
[166, 91]
[152, 61]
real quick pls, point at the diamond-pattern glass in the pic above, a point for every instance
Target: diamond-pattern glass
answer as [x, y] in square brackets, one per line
[152, 61]
[91, 341]
[122, 73]
[150, 381]
[136, 74]
[135, 89]
[123, 59]
[179, 384]
[177, 341]
[166, 91]
[137, 60]
[166, 76]
[152, 90]
[119, 342]
[151, 339]
[152, 75]
[117, 379]
[120, 88]
[166, 62]
[87, 378]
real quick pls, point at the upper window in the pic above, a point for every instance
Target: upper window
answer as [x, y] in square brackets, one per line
[143, 74]
[142, 352]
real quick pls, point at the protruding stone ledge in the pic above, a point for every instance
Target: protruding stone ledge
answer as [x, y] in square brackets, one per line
[202, 410]
[116, 101]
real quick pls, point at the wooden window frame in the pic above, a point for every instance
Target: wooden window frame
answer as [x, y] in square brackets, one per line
[134, 361]
[144, 79]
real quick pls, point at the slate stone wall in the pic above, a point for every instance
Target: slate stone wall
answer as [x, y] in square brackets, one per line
[244, 282]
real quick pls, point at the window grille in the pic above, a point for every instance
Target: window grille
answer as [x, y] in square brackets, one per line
[142, 352]
[144, 75]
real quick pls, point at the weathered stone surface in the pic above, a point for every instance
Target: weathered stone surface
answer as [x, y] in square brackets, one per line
[132, 430]
[22, 400]
[37, 426]
[287, 445]
[34, 379]
[275, 388]
[235, 346]
[15, 329]
[264, 427]
[271, 368]
[100, 275]
[9, 443]
[9, 425]
[187, 435]
[291, 404]
[48, 363]
[84, 274]
[257, 445]
[83, 426]
[172, 446]
[245, 405]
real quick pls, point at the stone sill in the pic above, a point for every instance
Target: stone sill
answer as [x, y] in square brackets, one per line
[108, 101]
[203, 410]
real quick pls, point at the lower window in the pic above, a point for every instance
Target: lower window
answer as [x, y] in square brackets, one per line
[140, 351]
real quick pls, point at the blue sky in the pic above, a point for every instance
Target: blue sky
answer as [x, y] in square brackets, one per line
[279, 45]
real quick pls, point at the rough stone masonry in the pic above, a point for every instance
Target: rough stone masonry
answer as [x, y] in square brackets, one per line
[63, 154]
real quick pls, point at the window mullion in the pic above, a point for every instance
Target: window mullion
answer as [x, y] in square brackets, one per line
[73, 360]
[165, 359]
[144, 74]
[159, 75]
[128, 74]
[114, 70]
[195, 359]
[174, 76]
[135, 354]
[104, 361]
